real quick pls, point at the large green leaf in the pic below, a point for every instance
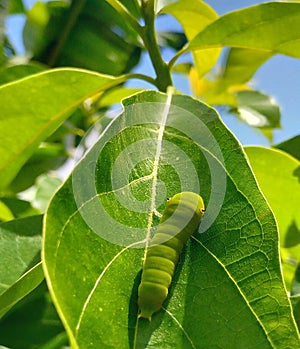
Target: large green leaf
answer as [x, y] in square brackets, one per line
[194, 16]
[19, 249]
[272, 27]
[47, 99]
[227, 290]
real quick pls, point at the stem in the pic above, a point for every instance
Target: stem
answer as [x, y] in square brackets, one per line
[178, 54]
[141, 77]
[163, 76]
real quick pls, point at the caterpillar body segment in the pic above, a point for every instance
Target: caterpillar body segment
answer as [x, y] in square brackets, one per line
[180, 220]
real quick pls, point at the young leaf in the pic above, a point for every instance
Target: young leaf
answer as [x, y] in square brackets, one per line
[194, 16]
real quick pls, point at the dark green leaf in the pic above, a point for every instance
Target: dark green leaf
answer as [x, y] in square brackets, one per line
[295, 291]
[88, 34]
[19, 208]
[296, 309]
[16, 6]
[291, 146]
[175, 40]
[33, 323]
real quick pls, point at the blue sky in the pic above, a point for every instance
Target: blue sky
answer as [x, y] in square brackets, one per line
[279, 77]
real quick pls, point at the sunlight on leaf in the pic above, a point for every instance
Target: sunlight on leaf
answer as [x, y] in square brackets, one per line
[158, 146]
[47, 99]
[272, 27]
[194, 16]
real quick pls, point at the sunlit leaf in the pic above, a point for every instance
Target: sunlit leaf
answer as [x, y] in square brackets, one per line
[194, 16]
[278, 177]
[241, 64]
[47, 99]
[158, 146]
[272, 27]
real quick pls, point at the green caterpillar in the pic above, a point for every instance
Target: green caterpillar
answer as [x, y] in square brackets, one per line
[180, 219]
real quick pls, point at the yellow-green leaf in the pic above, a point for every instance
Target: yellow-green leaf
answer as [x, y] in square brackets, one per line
[272, 27]
[194, 16]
